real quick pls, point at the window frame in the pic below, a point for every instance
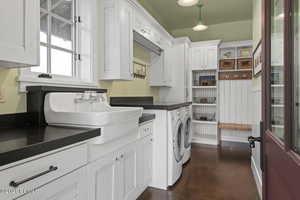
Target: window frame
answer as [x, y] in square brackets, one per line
[28, 78]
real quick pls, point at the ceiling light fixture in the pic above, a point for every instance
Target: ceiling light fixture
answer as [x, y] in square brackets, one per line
[186, 3]
[200, 26]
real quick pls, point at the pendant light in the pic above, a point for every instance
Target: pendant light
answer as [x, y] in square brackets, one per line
[200, 26]
[186, 3]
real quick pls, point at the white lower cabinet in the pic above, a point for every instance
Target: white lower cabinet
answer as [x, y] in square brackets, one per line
[123, 174]
[69, 187]
[105, 178]
[114, 177]
[145, 162]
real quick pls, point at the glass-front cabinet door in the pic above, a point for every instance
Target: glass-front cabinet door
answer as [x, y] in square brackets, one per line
[277, 68]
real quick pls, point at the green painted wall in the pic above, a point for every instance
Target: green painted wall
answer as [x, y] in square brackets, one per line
[256, 25]
[232, 31]
[14, 101]
[137, 87]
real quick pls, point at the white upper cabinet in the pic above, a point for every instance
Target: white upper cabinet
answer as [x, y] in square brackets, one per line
[204, 55]
[19, 35]
[118, 46]
[144, 27]
[160, 70]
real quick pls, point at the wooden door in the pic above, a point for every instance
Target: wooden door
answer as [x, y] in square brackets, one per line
[281, 161]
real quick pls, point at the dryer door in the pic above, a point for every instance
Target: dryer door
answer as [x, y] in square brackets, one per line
[187, 132]
[178, 141]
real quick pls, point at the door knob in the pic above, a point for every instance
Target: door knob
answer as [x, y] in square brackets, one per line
[252, 141]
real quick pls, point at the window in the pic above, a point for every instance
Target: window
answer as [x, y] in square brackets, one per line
[62, 38]
[58, 31]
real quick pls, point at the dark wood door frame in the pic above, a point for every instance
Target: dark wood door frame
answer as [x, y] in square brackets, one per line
[276, 152]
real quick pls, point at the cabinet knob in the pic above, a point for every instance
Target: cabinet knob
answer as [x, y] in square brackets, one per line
[122, 156]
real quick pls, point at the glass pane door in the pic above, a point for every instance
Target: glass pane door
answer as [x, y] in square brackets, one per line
[277, 68]
[296, 43]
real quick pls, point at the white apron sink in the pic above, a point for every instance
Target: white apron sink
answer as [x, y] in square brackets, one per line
[91, 110]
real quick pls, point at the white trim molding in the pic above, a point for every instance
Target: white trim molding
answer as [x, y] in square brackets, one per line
[257, 177]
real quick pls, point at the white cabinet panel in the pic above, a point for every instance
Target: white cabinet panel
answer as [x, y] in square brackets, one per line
[118, 47]
[19, 35]
[160, 73]
[69, 187]
[114, 177]
[235, 101]
[104, 178]
[129, 163]
[212, 57]
[204, 57]
[145, 149]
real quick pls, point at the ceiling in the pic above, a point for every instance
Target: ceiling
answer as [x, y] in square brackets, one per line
[172, 16]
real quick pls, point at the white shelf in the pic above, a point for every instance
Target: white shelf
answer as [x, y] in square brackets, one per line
[204, 87]
[277, 126]
[204, 122]
[277, 105]
[204, 104]
[236, 70]
[277, 85]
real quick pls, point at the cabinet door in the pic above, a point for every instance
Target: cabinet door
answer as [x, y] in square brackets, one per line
[69, 187]
[156, 70]
[104, 175]
[129, 163]
[199, 58]
[19, 35]
[168, 66]
[126, 39]
[118, 41]
[147, 159]
[145, 162]
[212, 57]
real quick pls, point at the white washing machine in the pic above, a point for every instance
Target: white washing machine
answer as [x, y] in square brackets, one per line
[187, 129]
[175, 146]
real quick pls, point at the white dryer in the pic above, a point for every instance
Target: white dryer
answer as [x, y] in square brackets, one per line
[175, 146]
[187, 126]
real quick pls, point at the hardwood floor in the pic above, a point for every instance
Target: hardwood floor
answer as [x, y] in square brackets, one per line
[222, 173]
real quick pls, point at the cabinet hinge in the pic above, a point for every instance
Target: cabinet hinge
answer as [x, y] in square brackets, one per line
[77, 19]
[78, 57]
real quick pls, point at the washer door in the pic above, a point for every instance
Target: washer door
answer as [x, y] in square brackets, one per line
[187, 133]
[177, 141]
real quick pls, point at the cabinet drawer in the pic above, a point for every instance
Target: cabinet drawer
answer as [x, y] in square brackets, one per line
[23, 178]
[244, 63]
[238, 75]
[227, 64]
[145, 130]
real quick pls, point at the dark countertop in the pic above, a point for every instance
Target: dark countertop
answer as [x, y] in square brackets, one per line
[154, 105]
[147, 102]
[20, 143]
[146, 117]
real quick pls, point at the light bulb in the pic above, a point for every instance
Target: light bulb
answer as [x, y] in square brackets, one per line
[186, 3]
[200, 27]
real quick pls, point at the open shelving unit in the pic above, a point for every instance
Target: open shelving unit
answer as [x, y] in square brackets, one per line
[204, 107]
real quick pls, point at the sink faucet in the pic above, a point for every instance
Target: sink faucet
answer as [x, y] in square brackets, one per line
[88, 96]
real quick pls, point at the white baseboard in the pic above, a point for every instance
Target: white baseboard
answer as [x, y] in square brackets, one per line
[233, 139]
[205, 141]
[257, 177]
